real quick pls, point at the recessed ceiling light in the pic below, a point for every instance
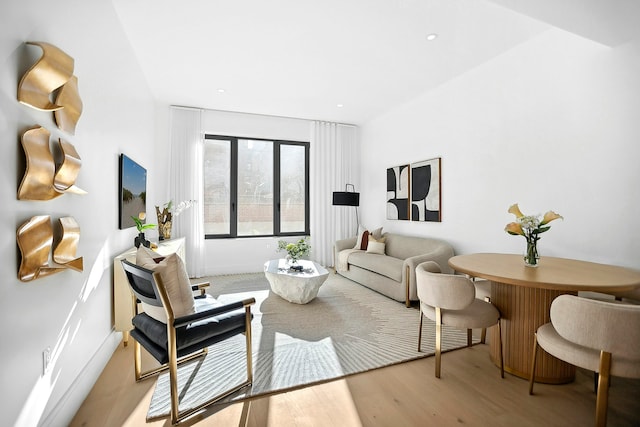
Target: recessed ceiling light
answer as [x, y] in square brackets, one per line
[339, 105]
[221, 90]
[432, 36]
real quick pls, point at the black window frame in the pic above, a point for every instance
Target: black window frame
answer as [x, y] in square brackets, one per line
[233, 187]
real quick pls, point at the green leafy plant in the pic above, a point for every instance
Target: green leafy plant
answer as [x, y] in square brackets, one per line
[295, 250]
[139, 225]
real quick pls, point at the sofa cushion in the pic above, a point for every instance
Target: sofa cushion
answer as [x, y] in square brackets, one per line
[175, 279]
[363, 239]
[382, 264]
[376, 246]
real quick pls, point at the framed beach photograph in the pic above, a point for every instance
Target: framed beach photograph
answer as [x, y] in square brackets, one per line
[132, 191]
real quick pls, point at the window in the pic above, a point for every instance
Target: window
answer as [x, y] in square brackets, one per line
[255, 187]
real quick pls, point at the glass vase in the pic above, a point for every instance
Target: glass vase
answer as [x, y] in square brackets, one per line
[293, 263]
[531, 257]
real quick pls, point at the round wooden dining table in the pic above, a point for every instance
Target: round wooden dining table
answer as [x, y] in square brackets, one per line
[524, 295]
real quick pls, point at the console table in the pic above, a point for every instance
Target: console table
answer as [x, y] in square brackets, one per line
[524, 295]
[122, 300]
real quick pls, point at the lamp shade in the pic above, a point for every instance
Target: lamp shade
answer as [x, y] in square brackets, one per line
[346, 198]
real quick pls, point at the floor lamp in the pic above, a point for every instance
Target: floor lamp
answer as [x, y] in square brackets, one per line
[348, 198]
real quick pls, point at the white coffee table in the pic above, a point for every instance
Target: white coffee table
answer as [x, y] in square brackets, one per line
[298, 287]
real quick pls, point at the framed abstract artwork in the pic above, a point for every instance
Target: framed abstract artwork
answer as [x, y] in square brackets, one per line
[398, 192]
[425, 191]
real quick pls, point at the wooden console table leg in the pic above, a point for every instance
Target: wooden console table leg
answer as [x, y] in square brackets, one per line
[523, 310]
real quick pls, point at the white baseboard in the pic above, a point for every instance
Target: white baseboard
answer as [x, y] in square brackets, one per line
[69, 404]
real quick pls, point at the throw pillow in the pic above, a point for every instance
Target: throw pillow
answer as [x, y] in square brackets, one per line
[375, 247]
[363, 239]
[377, 233]
[176, 281]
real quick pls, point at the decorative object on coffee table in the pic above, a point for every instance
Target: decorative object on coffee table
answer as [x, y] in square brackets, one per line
[530, 226]
[296, 286]
[295, 251]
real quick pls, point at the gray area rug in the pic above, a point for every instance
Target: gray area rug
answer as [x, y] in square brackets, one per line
[347, 329]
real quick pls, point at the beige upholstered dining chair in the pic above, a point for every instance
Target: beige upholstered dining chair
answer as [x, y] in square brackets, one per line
[597, 335]
[450, 300]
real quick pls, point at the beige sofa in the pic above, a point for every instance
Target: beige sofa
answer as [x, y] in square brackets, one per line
[394, 273]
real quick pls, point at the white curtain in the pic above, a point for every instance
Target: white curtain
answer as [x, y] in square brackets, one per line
[334, 152]
[185, 183]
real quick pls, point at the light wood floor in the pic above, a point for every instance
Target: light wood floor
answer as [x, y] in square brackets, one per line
[470, 392]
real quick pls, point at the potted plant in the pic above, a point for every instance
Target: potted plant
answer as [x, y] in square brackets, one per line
[140, 238]
[295, 251]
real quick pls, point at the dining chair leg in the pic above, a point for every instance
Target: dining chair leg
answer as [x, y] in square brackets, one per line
[533, 363]
[420, 332]
[483, 335]
[438, 340]
[602, 397]
[469, 337]
[500, 347]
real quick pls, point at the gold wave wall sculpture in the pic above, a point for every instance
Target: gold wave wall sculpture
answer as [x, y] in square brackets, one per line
[64, 251]
[41, 180]
[35, 240]
[52, 70]
[68, 97]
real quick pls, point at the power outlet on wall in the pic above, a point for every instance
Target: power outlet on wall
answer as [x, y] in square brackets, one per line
[46, 360]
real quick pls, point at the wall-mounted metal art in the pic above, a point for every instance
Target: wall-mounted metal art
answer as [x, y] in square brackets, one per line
[51, 71]
[69, 98]
[35, 240]
[41, 181]
[54, 70]
[65, 177]
[37, 182]
[64, 250]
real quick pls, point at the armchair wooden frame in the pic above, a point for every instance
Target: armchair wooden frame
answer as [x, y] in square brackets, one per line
[173, 324]
[600, 336]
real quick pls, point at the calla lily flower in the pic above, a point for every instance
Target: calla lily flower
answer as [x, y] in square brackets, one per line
[514, 209]
[550, 216]
[514, 228]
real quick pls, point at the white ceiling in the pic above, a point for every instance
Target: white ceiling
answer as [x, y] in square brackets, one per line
[301, 58]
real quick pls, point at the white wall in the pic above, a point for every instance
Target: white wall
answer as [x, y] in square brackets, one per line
[551, 124]
[70, 312]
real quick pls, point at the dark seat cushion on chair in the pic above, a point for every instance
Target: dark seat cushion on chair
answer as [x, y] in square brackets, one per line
[152, 334]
